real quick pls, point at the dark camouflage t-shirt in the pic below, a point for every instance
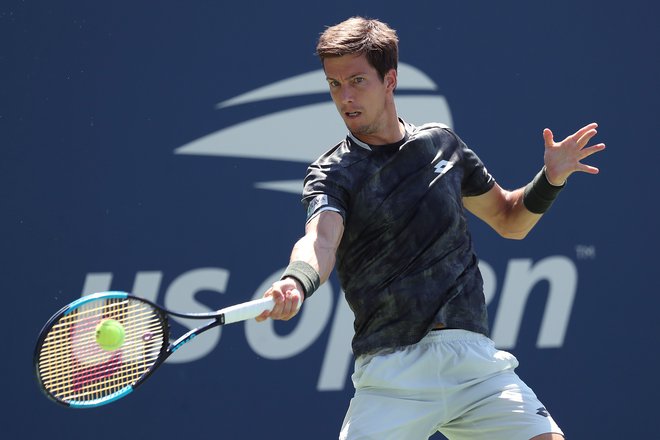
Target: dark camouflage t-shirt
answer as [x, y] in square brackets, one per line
[406, 260]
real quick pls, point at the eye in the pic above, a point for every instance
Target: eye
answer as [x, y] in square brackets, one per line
[358, 80]
[333, 83]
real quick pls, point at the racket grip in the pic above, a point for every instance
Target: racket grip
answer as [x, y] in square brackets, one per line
[247, 310]
[250, 309]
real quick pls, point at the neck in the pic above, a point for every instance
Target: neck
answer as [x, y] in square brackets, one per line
[393, 132]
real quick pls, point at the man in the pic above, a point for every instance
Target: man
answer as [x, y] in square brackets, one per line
[387, 204]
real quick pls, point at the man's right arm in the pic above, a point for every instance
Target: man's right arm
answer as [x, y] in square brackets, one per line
[317, 248]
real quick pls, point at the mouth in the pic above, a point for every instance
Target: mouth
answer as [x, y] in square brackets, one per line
[352, 115]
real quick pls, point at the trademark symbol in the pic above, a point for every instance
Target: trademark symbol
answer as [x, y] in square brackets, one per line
[585, 252]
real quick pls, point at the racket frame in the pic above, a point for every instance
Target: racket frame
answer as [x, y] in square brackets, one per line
[239, 312]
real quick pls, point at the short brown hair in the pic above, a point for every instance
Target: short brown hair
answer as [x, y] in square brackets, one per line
[357, 36]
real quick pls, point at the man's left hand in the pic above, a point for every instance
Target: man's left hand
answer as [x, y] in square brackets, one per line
[564, 158]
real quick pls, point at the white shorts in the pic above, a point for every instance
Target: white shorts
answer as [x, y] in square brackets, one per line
[452, 381]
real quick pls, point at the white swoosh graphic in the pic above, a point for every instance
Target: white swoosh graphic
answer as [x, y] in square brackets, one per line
[287, 186]
[409, 77]
[302, 134]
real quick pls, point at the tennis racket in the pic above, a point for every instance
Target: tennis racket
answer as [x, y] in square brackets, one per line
[75, 369]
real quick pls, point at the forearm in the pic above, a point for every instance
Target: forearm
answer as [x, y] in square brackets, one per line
[315, 252]
[516, 220]
[525, 206]
[513, 214]
[313, 256]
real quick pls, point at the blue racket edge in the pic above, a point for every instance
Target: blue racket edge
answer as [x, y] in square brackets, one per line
[100, 402]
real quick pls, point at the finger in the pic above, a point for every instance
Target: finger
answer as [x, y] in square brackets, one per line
[588, 169]
[275, 312]
[298, 299]
[586, 152]
[578, 134]
[548, 138]
[585, 138]
[277, 294]
[263, 316]
[285, 310]
[292, 304]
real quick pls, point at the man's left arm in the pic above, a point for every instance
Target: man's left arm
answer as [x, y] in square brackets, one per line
[514, 213]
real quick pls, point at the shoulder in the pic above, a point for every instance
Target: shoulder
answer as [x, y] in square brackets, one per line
[342, 155]
[440, 131]
[333, 173]
[437, 126]
[436, 137]
[432, 130]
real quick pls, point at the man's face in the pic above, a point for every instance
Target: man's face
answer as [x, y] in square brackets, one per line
[363, 100]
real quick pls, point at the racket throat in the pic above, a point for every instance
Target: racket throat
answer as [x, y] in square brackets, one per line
[192, 334]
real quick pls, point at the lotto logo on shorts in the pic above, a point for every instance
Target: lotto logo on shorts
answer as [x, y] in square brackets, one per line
[542, 412]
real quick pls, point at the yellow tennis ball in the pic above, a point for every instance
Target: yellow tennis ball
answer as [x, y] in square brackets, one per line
[110, 334]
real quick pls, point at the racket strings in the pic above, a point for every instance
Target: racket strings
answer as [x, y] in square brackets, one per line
[73, 366]
[54, 360]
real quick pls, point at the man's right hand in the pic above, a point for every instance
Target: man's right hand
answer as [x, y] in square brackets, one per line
[288, 297]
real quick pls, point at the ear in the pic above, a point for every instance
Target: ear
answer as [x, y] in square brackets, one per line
[390, 79]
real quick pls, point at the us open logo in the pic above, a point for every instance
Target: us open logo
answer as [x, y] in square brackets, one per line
[316, 126]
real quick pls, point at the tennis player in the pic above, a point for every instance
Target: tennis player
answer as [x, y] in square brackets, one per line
[387, 205]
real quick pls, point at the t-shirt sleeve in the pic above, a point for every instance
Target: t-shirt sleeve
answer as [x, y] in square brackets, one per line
[476, 178]
[323, 192]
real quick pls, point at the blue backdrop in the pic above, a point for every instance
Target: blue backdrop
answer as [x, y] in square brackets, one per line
[158, 147]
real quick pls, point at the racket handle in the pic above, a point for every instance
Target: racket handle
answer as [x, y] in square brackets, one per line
[249, 310]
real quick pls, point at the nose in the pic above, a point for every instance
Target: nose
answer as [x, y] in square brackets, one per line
[346, 95]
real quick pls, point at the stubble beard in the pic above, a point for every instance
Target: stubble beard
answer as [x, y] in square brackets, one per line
[366, 129]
